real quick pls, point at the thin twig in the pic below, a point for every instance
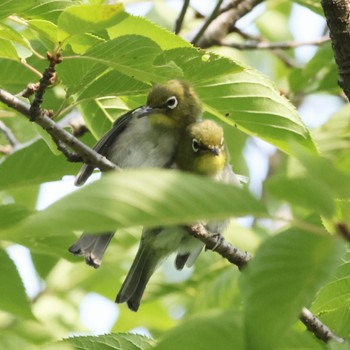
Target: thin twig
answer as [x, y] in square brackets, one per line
[58, 133]
[276, 48]
[241, 259]
[45, 81]
[71, 157]
[29, 90]
[11, 138]
[31, 68]
[287, 60]
[180, 19]
[207, 22]
[261, 45]
[225, 22]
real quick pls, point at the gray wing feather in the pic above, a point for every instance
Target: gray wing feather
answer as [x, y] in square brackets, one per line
[104, 145]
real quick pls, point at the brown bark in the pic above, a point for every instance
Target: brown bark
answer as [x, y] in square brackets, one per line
[337, 13]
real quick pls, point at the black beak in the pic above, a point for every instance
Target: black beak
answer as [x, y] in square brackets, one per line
[215, 150]
[145, 111]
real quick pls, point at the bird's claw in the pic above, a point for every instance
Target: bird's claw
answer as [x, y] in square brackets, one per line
[219, 239]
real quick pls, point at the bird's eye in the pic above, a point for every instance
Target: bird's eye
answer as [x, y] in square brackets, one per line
[195, 145]
[171, 102]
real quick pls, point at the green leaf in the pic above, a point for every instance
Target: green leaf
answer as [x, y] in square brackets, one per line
[99, 115]
[284, 276]
[215, 331]
[8, 33]
[80, 19]
[77, 74]
[302, 341]
[26, 166]
[305, 192]
[132, 55]
[48, 10]
[250, 102]
[142, 26]
[46, 32]
[324, 171]
[317, 74]
[13, 298]
[82, 42]
[332, 303]
[142, 197]
[44, 263]
[14, 76]
[333, 138]
[12, 214]
[113, 83]
[7, 50]
[112, 341]
[9, 7]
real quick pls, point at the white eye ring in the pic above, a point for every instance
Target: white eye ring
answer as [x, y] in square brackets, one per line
[171, 102]
[195, 145]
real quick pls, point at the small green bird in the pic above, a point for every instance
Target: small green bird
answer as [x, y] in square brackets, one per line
[144, 137]
[201, 150]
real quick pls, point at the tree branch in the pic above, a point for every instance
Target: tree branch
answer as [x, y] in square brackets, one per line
[207, 22]
[225, 22]
[46, 80]
[337, 13]
[29, 90]
[180, 19]
[261, 45]
[314, 325]
[219, 245]
[240, 259]
[88, 155]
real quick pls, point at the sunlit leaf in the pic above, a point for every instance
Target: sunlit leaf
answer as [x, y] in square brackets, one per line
[79, 19]
[47, 9]
[7, 50]
[147, 197]
[13, 298]
[12, 214]
[140, 26]
[283, 277]
[26, 166]
[332, 303]
[9, 7]
[305, 192]
[218, 331]
[112, 342]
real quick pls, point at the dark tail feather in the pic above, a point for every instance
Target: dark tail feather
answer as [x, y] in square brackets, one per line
[92, 246]
[181, 260]
[83, 175]
[134, 285]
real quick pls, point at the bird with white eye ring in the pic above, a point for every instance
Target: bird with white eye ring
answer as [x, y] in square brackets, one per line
[201, 150]
[144, 137]
[171, 102]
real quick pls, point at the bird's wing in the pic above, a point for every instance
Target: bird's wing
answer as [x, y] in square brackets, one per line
[104, 144]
